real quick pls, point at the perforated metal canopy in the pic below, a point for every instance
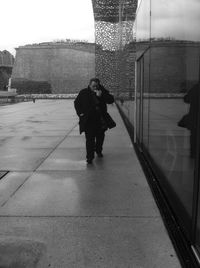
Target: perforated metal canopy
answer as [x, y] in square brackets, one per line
[109, 10]
[115, 43]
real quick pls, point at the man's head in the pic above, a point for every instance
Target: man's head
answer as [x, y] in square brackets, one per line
[94, 83]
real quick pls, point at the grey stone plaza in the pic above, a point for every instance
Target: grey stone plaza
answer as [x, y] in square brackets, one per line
[58, 212]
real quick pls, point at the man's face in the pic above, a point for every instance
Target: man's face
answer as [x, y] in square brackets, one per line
[93, 86]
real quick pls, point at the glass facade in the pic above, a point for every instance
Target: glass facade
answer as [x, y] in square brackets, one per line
[167, 119]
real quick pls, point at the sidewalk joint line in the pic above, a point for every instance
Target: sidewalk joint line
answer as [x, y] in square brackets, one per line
[40, 163]
[52, 150]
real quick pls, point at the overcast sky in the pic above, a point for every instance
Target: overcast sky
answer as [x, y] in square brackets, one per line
[33, 21]
[179, 19]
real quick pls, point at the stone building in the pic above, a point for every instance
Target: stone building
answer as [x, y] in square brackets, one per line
[66, 66]
[6, 65]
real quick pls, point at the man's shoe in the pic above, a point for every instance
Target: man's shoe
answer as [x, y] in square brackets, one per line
[100, 155]
[89, 161]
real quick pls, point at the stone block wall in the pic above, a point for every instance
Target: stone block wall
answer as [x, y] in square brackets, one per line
[68, 69]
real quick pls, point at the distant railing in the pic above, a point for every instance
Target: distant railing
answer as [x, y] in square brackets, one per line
[47, 96]
[6, 65]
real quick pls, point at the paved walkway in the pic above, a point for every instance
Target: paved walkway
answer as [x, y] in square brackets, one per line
[58, 212]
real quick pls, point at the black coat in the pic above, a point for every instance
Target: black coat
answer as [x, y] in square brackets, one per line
[85, 105]
[192, 97]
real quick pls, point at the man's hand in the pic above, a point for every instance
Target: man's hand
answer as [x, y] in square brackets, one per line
[98, 93]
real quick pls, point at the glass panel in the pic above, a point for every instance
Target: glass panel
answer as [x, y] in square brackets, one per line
[174, 77]
[138, 97]
[142, 26]
[145, 138]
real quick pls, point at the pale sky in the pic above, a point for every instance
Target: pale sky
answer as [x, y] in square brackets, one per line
[170, 18]
[34, 21]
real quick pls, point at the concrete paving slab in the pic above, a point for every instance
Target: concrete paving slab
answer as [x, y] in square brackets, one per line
[33, 131]
[75, 132]
[98, 216]
[10, 183]
[78, 141]
[120, 141]
[44, 118]
[21, 253]
[97, 242]
[73, 142]
[74, 159]
[13, 159]
[4, 140]
[81, 194]
[65, 159]
[40, 142]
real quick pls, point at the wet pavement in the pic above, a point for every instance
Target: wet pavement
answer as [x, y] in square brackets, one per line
[58, 212]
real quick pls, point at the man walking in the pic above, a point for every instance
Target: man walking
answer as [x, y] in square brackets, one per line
[91, 108]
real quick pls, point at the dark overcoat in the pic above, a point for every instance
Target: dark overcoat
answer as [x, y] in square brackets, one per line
[192, 97]
[84, 104]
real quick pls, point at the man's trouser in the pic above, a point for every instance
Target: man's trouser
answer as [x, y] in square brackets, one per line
[94, 141]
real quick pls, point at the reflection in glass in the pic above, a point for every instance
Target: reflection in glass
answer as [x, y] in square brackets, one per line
[145, 100]
[170, 88]
[175, 20]
[142, 21]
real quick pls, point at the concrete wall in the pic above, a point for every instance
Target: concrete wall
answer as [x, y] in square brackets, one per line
[67, 69]
[6, 64]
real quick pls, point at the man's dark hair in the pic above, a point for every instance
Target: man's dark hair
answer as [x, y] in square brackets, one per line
[96, 80]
